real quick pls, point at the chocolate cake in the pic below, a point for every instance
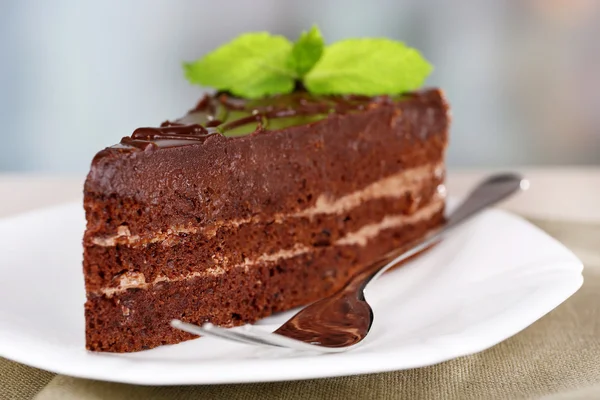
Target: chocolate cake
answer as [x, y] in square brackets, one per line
[243, 208]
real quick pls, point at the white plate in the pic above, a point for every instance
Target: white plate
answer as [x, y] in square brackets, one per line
[491, 279]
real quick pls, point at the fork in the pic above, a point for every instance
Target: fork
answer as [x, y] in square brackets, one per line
[341, 321]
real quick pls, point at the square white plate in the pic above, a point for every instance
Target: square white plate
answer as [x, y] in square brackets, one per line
[492, 278]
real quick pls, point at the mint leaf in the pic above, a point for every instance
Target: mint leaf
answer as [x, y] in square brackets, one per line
[252, 65]
[368, 67]
[259, 64]
[307, 50]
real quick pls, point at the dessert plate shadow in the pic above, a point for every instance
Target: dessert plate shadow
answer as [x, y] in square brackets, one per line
[491, 279]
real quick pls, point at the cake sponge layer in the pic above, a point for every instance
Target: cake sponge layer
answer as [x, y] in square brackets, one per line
[194, 249]
[138, 319]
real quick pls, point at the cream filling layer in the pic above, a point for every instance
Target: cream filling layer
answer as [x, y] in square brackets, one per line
[137, 280]
[408, 181]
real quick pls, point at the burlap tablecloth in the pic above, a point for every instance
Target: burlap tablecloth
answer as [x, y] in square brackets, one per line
[558, 357]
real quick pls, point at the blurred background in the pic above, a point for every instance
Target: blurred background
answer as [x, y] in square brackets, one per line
[522, 76]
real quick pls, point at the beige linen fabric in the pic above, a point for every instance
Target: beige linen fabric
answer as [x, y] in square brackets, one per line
[558, 357]
[18, 381]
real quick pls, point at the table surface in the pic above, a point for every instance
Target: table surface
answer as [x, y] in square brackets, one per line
[555, 193]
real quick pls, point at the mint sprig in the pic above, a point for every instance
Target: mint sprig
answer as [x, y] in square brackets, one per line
[259, 64]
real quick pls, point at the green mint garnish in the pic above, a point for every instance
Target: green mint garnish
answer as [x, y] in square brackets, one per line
[252, 65]
[367, 67]
[307, 51]
[259, 64]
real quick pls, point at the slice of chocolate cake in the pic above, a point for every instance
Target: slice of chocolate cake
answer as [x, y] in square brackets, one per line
[243, 208]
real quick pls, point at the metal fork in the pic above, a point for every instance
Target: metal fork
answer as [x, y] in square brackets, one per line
[340, 322]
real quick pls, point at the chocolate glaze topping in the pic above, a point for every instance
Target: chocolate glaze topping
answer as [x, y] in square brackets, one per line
[223, 114]
[227, 116]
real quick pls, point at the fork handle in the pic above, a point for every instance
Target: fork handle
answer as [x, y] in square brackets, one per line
[489, 192]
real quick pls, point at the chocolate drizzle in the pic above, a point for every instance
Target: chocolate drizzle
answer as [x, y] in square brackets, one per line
[169, 130]
[223, 114]
[168, 134]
